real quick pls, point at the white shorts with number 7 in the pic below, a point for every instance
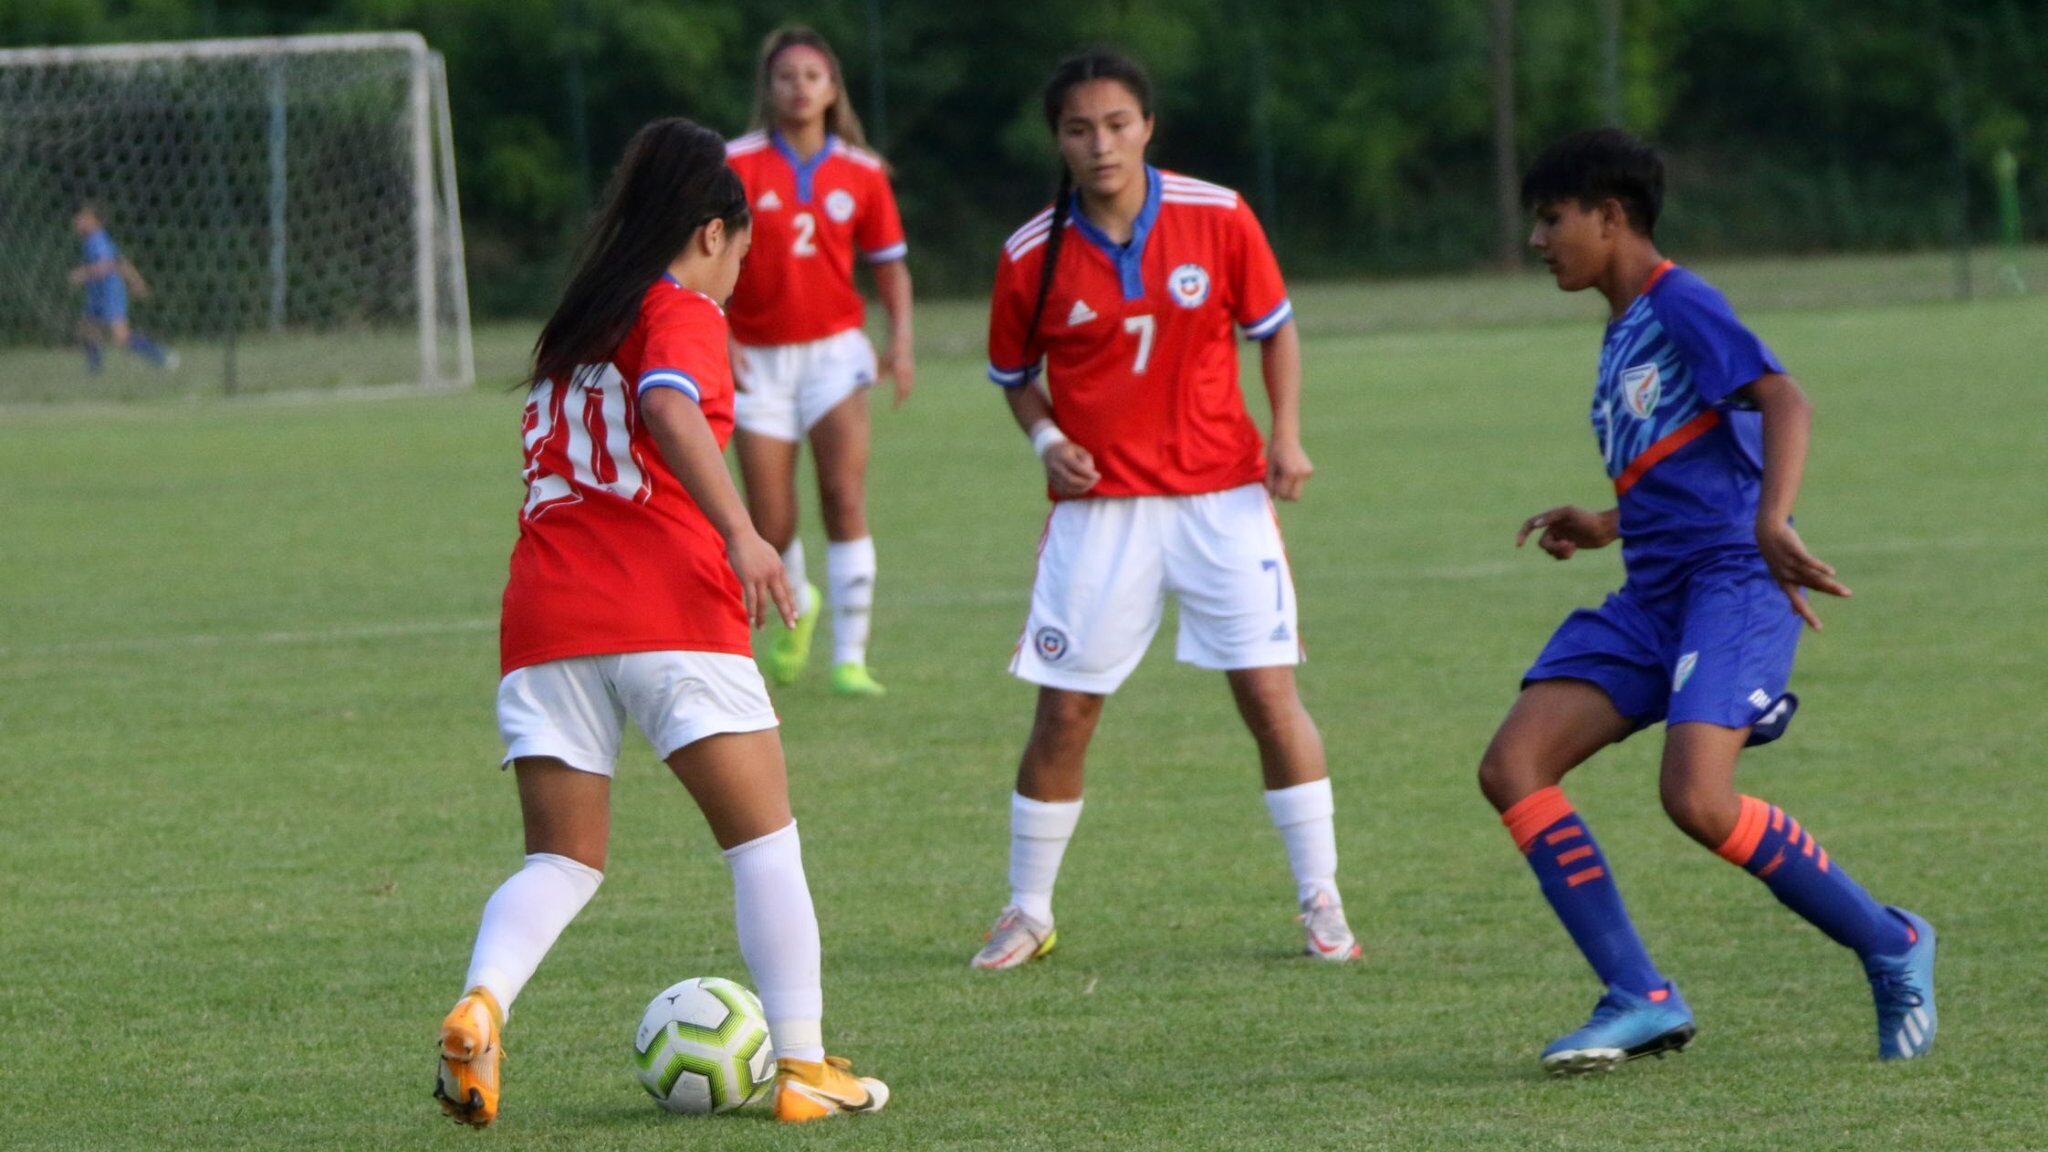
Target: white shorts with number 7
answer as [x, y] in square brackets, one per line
[1105, 569]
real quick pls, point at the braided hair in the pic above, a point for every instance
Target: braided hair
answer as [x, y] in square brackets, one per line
[1094, 64]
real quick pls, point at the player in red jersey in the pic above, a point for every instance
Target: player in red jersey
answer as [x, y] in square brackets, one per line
[1127, 289]
[634, 582]
[820, 199]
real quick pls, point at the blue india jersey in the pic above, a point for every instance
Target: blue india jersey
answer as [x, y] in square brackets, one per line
[98, 247]
[1685, 453]
[106, 297]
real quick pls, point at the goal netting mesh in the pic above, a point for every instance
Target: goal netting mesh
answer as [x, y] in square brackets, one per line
[287, 208]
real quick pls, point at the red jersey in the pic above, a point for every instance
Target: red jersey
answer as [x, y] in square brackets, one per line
[1136, 338]
[613, 556]
[810, 218]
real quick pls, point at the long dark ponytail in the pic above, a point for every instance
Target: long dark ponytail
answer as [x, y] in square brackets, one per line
[671, 182]
[1094, 64]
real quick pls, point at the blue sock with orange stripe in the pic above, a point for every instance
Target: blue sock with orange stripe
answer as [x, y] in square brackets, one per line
[1575, 879]
[1772, 847]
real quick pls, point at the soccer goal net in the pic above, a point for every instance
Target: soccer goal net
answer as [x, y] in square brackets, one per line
[284, 212]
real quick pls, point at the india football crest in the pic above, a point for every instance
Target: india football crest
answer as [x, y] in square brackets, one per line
[839, 205]
[1641, 388]
[1189, 285]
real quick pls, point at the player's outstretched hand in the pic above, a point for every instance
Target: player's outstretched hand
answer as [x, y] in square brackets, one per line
[1568, 528]
[1069, 469]
[1793, 567]
[1287, 469]
[901, 368]
[762, 580]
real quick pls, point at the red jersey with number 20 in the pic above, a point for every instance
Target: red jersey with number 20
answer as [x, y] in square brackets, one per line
[613, 556]
[810, 218]
[1136, 338]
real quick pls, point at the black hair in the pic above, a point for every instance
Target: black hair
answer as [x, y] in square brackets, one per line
[1600, 164]
[672, 181]
[1094, 64]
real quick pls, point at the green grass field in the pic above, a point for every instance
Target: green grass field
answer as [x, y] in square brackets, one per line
[249, 807]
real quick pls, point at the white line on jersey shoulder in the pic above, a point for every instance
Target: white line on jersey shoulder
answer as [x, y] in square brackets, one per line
[1173, 182]
[1034, 229]
[858, 155]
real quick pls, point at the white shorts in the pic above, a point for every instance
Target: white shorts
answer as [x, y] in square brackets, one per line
[785, 389]
[575, 710]
[1106, 566]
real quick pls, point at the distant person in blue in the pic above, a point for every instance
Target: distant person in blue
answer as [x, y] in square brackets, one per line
[1705, 438]
[105, 275]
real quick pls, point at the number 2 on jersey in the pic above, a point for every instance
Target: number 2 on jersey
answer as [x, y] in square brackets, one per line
[805, 243]
[1143, 326]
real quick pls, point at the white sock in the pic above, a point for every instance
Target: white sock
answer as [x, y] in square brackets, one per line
[1304, 815]
[523, 918]
[850, 576]
[778, 930]
[1039, 831]
[799, 579]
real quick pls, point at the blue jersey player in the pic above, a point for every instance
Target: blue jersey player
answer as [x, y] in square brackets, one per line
[1705, 438]
[105, 275]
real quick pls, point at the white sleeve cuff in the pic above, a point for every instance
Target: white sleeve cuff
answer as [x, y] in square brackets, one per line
[891, 254]
[1013, 378]
[1270, 323]
[670, 378]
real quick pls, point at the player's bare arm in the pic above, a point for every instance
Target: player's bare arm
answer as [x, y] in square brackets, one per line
[892, 284]
[691, 452]
[1069, 468]
[98, 269]
[137, 286]
[1287, 465]
[1788, 429]
[1568, 528]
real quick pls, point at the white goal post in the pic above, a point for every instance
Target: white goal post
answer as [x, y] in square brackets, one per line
[288, 206]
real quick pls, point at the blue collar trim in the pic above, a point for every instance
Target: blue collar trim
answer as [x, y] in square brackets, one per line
[1128, 258]
[804, 169]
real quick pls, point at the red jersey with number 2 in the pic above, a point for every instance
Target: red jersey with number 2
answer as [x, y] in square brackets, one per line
[811, 217]
[1140, 359]
[613, 556]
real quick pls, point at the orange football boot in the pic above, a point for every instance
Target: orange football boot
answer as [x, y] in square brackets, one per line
[467, 1085]
[807, 1090]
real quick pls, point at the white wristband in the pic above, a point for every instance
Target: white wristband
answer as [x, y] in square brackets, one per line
[1044, 435]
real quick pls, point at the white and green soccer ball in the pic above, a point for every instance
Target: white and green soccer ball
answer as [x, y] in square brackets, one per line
[702, 1048]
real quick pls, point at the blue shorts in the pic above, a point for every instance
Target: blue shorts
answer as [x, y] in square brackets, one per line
[1717, 649]
[106, 300]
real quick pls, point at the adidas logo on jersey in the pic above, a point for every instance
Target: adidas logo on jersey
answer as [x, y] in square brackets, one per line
[768, 202]
[1081, 314]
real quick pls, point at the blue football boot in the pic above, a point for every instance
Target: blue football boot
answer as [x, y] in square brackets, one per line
[1903, 987]
[1624, 1026]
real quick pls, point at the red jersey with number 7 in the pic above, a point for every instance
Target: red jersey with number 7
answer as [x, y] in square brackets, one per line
[811, 217]
[613, 556]
[1136, 339]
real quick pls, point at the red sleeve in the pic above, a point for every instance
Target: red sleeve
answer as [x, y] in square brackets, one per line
[879, 231]
[1012, 354]
[684, 346]
[1262, 304]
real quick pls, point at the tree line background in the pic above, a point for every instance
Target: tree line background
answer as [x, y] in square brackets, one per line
[1372, 135]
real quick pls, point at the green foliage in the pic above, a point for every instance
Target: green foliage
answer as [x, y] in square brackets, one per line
[1815, 125]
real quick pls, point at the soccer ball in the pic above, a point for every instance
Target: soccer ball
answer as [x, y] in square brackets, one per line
[702, 1048]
